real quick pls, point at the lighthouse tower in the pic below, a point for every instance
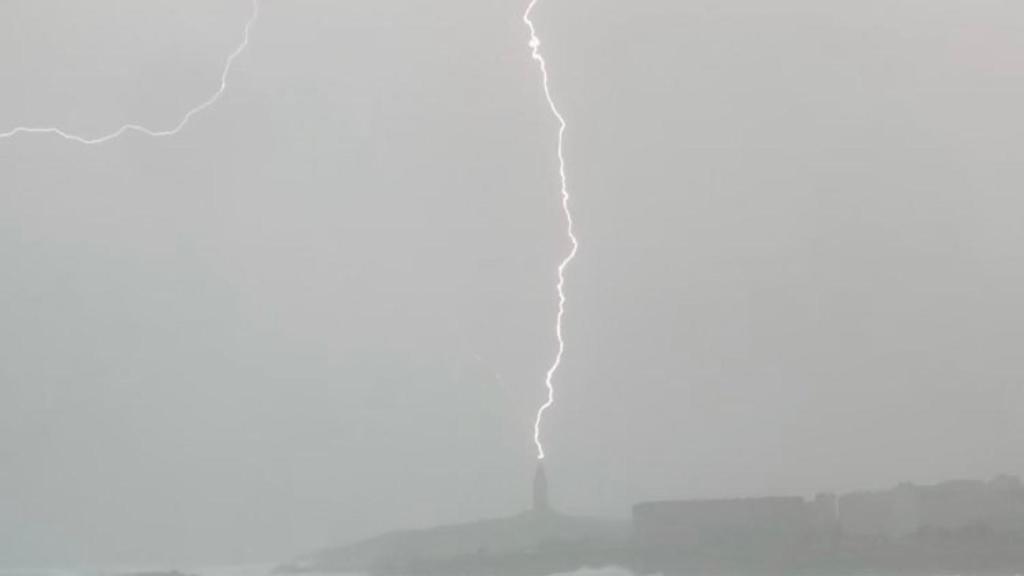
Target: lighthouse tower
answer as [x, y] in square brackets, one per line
[540, 490]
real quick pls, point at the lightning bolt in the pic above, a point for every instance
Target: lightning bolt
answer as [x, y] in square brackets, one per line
[536, 55]
[138, 127]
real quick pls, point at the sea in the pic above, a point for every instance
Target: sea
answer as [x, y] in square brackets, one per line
[240, 570]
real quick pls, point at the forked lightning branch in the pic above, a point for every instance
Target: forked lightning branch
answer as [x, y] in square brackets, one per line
[154, 132]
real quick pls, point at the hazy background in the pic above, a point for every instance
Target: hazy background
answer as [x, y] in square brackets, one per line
[325, 309]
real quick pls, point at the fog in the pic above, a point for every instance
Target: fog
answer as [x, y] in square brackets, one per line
[325, 309]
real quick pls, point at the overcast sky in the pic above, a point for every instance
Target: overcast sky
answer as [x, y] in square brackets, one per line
[325, 309]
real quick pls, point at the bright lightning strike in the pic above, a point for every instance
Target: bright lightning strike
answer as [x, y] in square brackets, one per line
[142, 129]
[535, 53]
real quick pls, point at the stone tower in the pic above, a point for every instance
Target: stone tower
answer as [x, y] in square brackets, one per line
[540, 490]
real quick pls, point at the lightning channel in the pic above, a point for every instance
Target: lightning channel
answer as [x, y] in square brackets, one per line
[210, 101]
[535, 53]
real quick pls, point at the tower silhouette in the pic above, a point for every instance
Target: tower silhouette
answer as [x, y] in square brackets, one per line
[540, 490]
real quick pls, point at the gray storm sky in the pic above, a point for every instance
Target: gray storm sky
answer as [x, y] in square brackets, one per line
[326, 308]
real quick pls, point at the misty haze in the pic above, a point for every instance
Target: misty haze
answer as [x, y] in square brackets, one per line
[281, 287]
